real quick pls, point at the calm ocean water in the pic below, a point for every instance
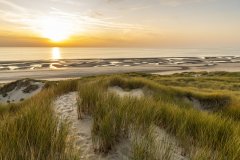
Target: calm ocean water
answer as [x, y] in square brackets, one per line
[35, 53]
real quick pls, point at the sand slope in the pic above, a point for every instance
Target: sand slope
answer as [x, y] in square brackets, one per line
[20, 90]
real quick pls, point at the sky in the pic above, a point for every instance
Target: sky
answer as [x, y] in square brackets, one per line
[120, 23]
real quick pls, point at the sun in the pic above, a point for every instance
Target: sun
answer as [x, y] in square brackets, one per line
[55, 28]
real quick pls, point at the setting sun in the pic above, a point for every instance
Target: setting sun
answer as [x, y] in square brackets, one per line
[55, 28]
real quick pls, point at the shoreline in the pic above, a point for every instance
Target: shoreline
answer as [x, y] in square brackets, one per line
[76, 68]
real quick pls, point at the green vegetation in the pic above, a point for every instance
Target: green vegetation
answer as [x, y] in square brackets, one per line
[144, 146]
[200, 110]
[211, 131]
[31, 130]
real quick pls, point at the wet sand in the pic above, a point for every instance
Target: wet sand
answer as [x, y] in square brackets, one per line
[62, 69]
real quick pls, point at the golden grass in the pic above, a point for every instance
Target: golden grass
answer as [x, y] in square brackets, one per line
[32, 130]
[113, 116]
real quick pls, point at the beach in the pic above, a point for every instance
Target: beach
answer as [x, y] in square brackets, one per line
[73, 68]
[119, 80]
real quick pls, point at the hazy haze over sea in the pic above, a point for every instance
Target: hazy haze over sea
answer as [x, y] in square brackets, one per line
[37, 53]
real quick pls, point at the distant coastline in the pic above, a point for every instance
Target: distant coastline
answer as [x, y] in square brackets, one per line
[71, 68]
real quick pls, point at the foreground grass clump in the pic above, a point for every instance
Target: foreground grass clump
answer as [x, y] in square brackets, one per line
[33, 131]
[90, 94]
[112, 116]
[117, 118]
[201, 133]
[218, 134]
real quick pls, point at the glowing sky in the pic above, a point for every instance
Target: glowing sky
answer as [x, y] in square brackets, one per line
[120, 23]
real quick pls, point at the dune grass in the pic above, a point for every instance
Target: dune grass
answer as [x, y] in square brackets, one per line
[33, 131]
[223, 102]
[145, 147]
[11, 108]
[114, 116]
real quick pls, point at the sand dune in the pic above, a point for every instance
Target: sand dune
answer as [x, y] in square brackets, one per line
[65, 107]
[20, 90]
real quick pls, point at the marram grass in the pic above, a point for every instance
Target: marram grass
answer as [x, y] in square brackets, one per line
[33, 132]
[30, 130]
[114, 116]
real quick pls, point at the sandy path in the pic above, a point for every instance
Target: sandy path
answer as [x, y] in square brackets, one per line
[80, 130]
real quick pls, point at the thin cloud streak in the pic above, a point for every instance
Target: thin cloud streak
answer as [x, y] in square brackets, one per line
[29, 19]
[145, 20]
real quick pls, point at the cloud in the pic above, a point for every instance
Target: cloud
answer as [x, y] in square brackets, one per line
[12, 5]
[164, 2]
[27, 19]
[113, 1]
[94, 14]
[180, 2]
[12, 12]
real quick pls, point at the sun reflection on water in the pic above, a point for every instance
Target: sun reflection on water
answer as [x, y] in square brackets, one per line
[56, 53]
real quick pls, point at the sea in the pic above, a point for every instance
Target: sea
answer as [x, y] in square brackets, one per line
[57, 53]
